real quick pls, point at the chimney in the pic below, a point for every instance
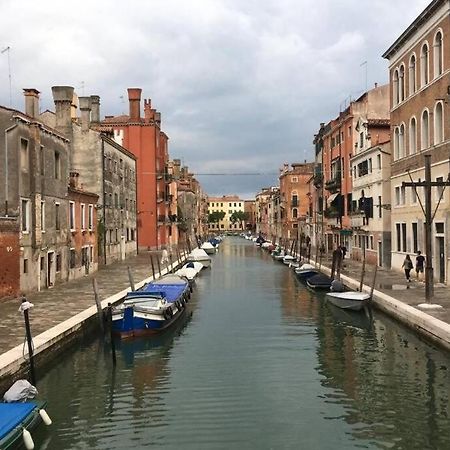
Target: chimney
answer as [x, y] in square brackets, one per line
[31, 102]
[147, 108]
[134, 97]
[376, 85]
[85, 108]
[158, 118]
[62, 96]
[95, 108]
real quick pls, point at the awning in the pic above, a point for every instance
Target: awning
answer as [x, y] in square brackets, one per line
[332, 198]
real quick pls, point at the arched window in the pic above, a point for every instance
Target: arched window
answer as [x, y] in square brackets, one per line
[412, 75]
[412, 136]
[424, 131]
[437, 54]
[396, 142]
[395, 91]
[424, 64]
[401, 141]
[401, 83]
[438, 123]
[294, 213]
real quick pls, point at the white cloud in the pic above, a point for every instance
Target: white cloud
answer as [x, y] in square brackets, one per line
[240, 84]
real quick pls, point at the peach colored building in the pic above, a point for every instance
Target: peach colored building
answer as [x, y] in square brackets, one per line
[294, 201]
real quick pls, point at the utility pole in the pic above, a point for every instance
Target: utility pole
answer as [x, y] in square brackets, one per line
[427, 184]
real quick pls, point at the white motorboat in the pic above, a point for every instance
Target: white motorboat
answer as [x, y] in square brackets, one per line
[201, 256]
[288, 259]
[208, 248]
[349, 300]
[198, 266]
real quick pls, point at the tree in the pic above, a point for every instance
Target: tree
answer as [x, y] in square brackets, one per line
[216, 216]
[239, 216]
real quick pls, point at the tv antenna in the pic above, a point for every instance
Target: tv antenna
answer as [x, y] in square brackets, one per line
[7, 50]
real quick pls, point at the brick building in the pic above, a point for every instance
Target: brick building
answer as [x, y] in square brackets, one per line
[419, 72]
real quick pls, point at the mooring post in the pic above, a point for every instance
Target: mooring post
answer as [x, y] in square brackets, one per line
[153, 266]
[98, 303]
[24, 307]
[111, 333]
[130, 278]
[363, 270]
[159, 267]
[373, 280]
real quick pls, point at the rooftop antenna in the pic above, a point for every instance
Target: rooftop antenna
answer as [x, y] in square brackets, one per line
[82, 88]
[122, 101]
[7, 50]
[364, 63]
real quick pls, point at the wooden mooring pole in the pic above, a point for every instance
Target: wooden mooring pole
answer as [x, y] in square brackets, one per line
[98, 303]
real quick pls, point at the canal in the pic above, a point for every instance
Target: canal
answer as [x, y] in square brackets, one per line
[260, 363]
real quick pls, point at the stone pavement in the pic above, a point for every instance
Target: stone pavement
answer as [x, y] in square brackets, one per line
[394, 284]
[53, 306]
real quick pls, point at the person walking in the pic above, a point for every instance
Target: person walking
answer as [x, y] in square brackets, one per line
[407, 266]
[420, 260]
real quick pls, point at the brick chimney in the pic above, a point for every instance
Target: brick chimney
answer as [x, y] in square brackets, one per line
[31, 102]
[134, 98]
[62, 96]
[85, 108]
[95, 108]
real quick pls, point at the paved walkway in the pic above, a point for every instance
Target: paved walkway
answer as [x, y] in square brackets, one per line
[55, 305]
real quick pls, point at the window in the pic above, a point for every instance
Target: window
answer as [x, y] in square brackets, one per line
[401, 83]
[380, 212]
[413, 196]
[57, 166]
[72, 258]
[294, 180]
[396, 143]
[24, 159]
[25, 215]
[439, 227]
[361, 140]
[403, 237]
[395, 89]
[379, 161]
[58, 262]
[401, 141]
[25, 266]
[72, 216]
[398, 235]
[42, 160]
[42, 263]
[371, 242]
[412, 136]
[424, 131]
[83, 216]
[424, 65]
[57, 218]
[91, 217]
[437, 54]
[294, 213]
[42, 215]
[412, 75]
[438, 123]
[369, 165]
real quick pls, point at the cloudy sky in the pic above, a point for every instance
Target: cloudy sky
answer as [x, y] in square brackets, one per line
[242, 85]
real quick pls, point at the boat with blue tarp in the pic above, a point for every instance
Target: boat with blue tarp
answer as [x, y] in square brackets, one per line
[153, 308]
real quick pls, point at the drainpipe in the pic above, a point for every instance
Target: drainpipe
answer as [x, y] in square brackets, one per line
[104, 208]
[6, 168]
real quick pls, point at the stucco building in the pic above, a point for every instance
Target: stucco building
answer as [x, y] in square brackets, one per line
[227, 204]
[33, 200]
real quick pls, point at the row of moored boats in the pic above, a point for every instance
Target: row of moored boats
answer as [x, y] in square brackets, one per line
[311, 276]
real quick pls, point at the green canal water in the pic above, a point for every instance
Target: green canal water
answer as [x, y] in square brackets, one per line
[260, 363]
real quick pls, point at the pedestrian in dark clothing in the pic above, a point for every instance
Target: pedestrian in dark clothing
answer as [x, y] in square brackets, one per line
[420, 260]
[407, 266]
[344, 251]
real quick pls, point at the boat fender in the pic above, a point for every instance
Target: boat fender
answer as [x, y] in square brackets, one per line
[27, 439]
[45, 417]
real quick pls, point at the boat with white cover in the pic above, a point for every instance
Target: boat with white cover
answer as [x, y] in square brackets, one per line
[208, 248]
[349, 299]
[200, 255]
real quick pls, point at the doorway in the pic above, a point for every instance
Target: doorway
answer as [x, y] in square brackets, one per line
[50, 280]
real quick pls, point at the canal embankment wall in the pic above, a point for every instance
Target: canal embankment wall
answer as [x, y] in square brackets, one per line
[14, 364]
[426, 325]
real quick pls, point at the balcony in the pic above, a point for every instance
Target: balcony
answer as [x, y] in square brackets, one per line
[333, 185]
[359, 219]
